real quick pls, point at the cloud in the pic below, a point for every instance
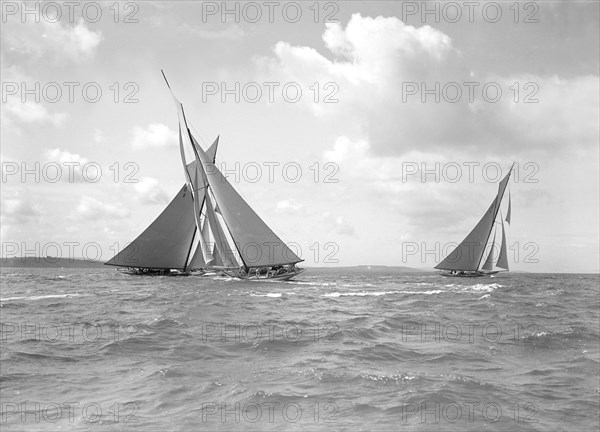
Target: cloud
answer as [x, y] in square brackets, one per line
[383, 69]
[289, 206]
[150, 192]
[71, 163]
[232, 32]
[18, 210]
[91, 209]
[337, 224]
[98, 136]
[29, 113]
[36, 40]
[156, 135]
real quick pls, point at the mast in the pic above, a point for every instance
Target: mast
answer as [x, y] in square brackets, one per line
[185, 267]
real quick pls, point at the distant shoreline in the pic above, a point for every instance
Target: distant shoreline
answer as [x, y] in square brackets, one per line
[48, 262]
[55, 262]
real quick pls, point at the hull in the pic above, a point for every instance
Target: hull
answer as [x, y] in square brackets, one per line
[467, 274]
[137, 271]
[264, 277]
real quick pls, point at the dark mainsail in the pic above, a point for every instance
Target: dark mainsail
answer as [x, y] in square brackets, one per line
[165, 243]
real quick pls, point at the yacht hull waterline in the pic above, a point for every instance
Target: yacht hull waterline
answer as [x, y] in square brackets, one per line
[468, 274]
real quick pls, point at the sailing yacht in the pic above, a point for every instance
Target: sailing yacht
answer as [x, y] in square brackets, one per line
[208, 227]
[478, 255]
[231, 237]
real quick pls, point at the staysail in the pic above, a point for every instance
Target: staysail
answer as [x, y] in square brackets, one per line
[503, 256]
[509, 210]
[468, 255]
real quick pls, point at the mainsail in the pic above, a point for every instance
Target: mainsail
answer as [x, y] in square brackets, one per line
[166, 242]
[256, 243]
[469, 254]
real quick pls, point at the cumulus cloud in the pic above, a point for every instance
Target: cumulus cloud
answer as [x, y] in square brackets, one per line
[231, 32]
[71, 163]
[16, 209]
[149, 191]
[289, 206]
[337, 224]
[75, 42]
[384, 68]
[29, 113]
[90, 208]
[156, 135]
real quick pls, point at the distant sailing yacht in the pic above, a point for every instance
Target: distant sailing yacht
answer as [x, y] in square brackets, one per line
[477, 255]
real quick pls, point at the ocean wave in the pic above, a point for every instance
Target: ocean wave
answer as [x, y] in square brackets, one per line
[41, 297]
[379, 293]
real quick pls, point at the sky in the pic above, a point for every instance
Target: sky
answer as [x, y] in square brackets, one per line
[363, 133]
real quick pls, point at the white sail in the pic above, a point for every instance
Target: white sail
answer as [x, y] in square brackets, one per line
[469, 254]
[489, 262]
[226, 255]
[208, 242]
[197, 261]
[503, 257]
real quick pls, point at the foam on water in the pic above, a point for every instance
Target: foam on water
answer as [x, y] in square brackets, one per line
[41, 297]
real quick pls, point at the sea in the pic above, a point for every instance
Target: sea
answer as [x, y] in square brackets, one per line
[357, 349]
